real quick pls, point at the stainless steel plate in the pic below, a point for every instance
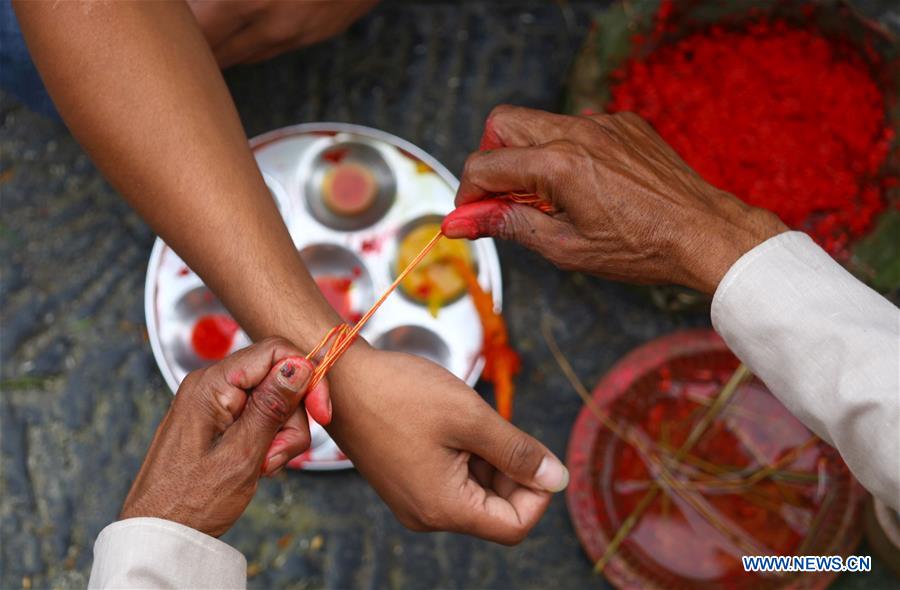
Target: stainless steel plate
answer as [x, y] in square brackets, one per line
[411, 186]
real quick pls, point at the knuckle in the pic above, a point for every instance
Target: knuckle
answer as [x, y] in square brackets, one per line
[470, 165]
[271, 404]
[559, 147]
[563, 149]
[501, 110]
[517, 227]
[503, 115]
[519, 454]
[563, 156]
[557, 150]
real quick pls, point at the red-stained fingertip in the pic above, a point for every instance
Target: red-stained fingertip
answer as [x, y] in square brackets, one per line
[475, 220]
[459, 227]
[318, 404]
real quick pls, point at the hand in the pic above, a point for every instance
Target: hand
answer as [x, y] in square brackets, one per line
[212, 446]
[626, 206]
[247, 31]
[435, 452]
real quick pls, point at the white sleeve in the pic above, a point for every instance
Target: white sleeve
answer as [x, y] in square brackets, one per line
[156, 553]
[826, 345]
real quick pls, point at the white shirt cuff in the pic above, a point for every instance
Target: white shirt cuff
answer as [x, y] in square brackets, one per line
[156, 553]
[825, 344]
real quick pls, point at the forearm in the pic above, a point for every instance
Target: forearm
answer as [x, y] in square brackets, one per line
[139, 88]
[826, 345]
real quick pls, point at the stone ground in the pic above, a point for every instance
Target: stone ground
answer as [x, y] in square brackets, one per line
[81, 393]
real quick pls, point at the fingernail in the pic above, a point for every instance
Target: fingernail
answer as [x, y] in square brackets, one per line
[294, 373]
[552, 475]
[275, 462]
[460, 228]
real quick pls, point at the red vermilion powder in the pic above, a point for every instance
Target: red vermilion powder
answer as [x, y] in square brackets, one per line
[780, 116]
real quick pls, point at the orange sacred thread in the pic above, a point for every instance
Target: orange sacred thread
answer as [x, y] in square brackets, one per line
[344, 335]
[531, 199]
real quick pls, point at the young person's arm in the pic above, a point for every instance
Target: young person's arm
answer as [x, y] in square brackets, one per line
[140, 89]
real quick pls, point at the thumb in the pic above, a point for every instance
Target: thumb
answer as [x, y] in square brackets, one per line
[269, 406]
[498, 218]
[519, 456]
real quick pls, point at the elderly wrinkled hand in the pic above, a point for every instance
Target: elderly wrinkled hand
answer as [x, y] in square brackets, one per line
[626, 206]
[229, 424]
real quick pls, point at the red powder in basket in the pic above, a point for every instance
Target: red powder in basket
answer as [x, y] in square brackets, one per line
[213, 335]
[780, 116]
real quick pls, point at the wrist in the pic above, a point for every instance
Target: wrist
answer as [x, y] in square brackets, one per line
[723, 241]
[173, 514]
[348, 379]
[306, 333]
[343, 374]
[306, 326]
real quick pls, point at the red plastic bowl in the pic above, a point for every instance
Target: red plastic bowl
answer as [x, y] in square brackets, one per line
[673, 546]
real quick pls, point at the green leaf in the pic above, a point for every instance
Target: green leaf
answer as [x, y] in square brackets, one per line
[876, 258]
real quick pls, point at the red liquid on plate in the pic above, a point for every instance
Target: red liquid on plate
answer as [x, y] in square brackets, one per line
[213, 336]
[371, 245]
[336, 155]
[337, 292]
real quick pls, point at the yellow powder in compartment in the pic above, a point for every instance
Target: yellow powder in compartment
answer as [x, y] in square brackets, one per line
[435, 280]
